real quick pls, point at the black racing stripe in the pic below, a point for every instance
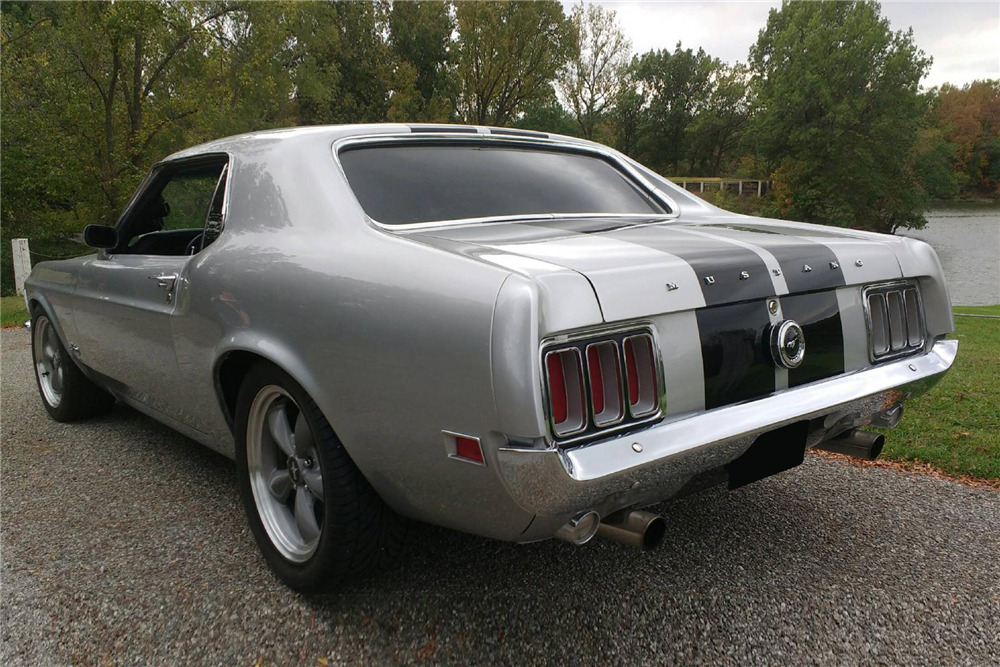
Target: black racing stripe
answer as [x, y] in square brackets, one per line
[806, 265]
[819, 316]
[734, 357]
[728, 273]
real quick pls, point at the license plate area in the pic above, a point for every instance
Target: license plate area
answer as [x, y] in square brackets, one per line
[771, 453]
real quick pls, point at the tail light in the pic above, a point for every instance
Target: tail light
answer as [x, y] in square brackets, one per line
[895, 320]
[604, 370]
[640, 369]
[566, 391]
[595, 386]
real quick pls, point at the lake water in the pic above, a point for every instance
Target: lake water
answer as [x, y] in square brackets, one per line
[967, 240]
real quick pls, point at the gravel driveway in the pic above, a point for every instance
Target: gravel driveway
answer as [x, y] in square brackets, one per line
[124, 541]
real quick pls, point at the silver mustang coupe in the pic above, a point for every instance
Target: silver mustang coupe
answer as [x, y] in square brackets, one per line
[508, 333]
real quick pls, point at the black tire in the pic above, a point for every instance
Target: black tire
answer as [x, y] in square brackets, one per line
[359, 535]
[79, 397]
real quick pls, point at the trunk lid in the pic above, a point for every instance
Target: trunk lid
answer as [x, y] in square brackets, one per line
[643, 267]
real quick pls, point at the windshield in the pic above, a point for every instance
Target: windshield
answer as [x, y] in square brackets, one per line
[401, 184]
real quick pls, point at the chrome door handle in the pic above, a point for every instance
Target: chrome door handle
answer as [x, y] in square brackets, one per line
[165, 280]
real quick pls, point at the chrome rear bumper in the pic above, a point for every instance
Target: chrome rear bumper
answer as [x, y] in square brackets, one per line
[653, 464]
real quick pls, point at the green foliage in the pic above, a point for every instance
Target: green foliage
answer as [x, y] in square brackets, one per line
[592, 77]
[420, 36]
[676, 86]
[838, 93]
[509, 53]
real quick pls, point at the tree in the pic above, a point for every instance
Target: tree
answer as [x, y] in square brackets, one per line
[591, 79]
[717, 129]
[420, 38]
[341, 61]
[628, 115]
[839, 112]
[508, 53]
[676, 86]
[968, 119]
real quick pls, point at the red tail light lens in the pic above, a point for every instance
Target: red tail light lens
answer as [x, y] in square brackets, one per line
[640, 371]
[604, 370]
[564, 375]
[599, 383]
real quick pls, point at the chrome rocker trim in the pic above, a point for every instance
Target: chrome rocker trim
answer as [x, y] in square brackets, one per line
[651, 465]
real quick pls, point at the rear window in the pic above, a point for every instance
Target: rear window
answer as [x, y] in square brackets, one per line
[399, 185]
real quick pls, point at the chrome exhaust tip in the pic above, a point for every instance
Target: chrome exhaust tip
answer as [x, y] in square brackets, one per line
[859, 444]
[642, 530]
[580, 529]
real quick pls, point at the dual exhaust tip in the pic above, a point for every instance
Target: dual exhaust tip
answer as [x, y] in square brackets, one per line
[645, 531]
[642, 530]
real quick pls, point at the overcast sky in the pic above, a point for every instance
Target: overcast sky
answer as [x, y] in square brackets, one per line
[962, 37]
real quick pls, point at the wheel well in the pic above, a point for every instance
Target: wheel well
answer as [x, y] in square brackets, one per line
[229, 378]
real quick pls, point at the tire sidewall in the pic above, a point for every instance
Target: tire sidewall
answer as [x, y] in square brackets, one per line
[300, 576]
[56, 412]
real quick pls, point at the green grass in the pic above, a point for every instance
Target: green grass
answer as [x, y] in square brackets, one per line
[955, 427]
[979, 310]
[12, 311]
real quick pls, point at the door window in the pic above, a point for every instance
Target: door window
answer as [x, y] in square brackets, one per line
[178, 207]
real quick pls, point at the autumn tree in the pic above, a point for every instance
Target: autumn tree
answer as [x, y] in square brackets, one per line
[967, 119]
[592, 78]
[840, 107]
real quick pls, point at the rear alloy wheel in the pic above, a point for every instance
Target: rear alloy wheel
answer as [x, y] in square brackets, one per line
[66, 392]
[315, 517]
[285, 473]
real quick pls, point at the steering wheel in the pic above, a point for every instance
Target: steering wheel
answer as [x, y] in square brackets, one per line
[194, 245]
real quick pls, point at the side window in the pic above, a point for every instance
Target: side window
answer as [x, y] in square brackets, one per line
[188, 196]
[176, 210]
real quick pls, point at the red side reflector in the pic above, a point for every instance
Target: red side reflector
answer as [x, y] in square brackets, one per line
[596, 379]
[557, 389]
[468, 448]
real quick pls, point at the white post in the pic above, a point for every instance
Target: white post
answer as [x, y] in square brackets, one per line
[759, 185]
[740, 192]
[701, 186]
[22, 263]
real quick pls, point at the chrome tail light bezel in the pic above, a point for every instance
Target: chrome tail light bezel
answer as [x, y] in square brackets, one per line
[879, 302]
[602, 424]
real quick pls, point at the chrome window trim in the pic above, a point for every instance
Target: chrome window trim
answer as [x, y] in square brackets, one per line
[644, 184]
[549, 342]
[623, 407]
[882, 289]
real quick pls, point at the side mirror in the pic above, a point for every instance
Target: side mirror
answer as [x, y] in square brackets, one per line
[100, 236]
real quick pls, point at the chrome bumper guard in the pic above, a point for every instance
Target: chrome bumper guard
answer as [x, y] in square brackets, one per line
[653, 464]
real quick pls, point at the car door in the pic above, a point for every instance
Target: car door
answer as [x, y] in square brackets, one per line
[126, 296]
